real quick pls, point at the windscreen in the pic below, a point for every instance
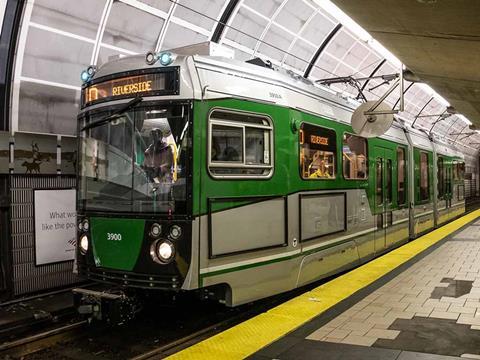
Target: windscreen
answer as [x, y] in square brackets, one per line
[136, 161]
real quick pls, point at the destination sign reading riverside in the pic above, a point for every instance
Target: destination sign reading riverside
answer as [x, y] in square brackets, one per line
[128, 87]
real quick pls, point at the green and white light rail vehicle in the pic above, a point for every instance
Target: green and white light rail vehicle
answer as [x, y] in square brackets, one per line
[240, 181]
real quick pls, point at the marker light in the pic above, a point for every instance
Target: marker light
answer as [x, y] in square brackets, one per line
[91, 70]
[151, 58]
[155, 230]
[166, 58]
[175, 232]
[162, 251]
[85, 225]
[84, 244]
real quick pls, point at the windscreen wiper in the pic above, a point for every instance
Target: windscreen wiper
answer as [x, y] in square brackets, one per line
[114, 115]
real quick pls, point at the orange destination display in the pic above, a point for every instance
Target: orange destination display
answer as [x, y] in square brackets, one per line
[158, 83]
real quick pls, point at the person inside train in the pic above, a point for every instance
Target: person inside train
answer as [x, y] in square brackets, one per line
[158, 161]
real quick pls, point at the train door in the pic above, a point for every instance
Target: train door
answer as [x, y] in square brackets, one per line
[383, 196]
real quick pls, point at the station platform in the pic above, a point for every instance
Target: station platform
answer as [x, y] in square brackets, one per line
[419, 301]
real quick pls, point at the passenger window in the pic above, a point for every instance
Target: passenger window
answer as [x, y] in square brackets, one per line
[227, 143]
[441, 178]
[354, 157]
[401, 175]
[317, 152]
[389, 181]
[240, 144]
[424, 189]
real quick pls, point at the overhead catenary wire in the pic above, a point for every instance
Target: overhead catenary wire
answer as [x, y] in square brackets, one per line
[219, 22]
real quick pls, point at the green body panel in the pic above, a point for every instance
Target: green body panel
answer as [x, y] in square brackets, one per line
[117, 254]
[286, 178]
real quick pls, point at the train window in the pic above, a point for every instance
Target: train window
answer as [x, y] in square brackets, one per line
[401, 176]
[354, 157]
[441, 178]
[424, 188]
[389, 181]
[241, 144]
[317, 152]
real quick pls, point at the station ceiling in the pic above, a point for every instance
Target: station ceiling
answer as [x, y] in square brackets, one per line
[60, 38]
[443, 53]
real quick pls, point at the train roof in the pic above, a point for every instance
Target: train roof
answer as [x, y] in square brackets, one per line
[204, 76]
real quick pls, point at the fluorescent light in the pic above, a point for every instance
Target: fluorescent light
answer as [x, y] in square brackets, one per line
[344, 19]
[356, 29]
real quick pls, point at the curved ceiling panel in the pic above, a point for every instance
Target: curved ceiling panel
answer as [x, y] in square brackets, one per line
[61, 37]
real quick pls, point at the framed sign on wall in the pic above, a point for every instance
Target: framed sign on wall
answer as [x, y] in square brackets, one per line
[55, 225]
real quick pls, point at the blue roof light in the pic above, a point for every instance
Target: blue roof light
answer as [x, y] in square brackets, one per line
[84, 76]
[166, 58]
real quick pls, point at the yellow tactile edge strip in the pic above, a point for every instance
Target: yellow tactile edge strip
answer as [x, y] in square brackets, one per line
[252, 335]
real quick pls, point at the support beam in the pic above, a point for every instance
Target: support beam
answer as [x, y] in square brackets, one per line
[8, 39]
[227, 13]
[322, 47]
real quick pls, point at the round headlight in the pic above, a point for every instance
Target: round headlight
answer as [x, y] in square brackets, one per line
[155, 230]
[166, 58]
[80, 226]
[175, 232]
[84, 244]
[85, 225]
[162, 251]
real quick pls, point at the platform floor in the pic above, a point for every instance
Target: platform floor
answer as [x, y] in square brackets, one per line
[420, 301]
[433, 307]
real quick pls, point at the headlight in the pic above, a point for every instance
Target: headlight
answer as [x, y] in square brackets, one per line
[85, 225]
[84, 244]
[155, 230]
[162, 251]
[80, 226]
[175, 232]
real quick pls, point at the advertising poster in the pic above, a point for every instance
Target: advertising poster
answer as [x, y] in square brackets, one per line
[55, 225]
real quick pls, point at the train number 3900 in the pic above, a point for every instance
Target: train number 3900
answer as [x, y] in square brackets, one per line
[114, 237]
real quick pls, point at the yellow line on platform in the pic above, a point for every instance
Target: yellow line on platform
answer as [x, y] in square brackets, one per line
[252, 335]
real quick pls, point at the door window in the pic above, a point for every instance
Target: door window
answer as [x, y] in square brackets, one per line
[424, 180]
[441, 178]
[389, 182]
[379, 181]
[401, 176]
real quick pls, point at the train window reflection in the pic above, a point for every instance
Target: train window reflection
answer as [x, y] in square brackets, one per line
[317, 152]
[354, 157]
[240, 144]
[424, 188]
[401, 172]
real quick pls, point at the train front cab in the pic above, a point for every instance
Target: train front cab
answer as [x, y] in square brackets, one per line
[135, 226]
